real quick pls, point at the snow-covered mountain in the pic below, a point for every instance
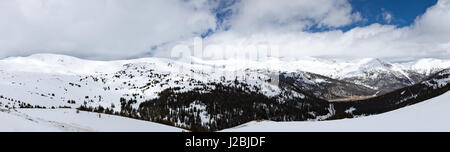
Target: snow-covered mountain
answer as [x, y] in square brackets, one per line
[57, 80]
[334, 68]
[371, 76]
[139, 88]
[429, 116]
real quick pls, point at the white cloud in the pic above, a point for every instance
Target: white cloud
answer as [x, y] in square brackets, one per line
[289, 15]
[118, 29]
[429, 36]
[387, 17]
[98, 28]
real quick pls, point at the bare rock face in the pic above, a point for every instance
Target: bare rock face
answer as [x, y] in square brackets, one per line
[326, 88]
[351, 88]
[387, 81]
[374, 78]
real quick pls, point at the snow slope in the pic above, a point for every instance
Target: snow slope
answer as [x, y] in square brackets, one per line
[50, 80]
[67, 120]
[429, 116]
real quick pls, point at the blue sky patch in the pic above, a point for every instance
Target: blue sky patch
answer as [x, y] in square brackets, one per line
[400, 13]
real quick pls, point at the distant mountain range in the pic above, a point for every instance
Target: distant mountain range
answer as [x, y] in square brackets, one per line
[213, 95]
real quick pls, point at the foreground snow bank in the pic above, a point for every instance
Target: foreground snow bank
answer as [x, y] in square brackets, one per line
[429, 116]
[31, 120]
[14, 122]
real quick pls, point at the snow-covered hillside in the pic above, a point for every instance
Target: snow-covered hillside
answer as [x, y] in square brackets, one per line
[57, 80]
[131, 88]
[63, 120]
[428, 116]
[61, 81]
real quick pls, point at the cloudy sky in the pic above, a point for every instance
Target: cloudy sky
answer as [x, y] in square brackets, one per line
[118, 29]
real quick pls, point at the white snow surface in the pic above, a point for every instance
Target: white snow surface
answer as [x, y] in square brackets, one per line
[429, 116]
[52, 80]
[68, 120]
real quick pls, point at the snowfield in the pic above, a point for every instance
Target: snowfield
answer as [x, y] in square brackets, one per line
[68, 120]
[50, 80]
[54, 80]
[57, 82]
[428, 116]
